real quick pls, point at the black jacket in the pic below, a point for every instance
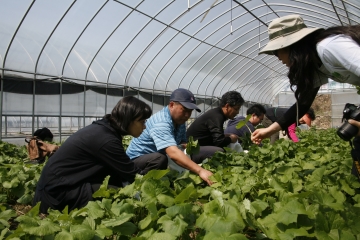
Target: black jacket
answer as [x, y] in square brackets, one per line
[208, 129]
[275, 113]
[304, 104]
[85, 158]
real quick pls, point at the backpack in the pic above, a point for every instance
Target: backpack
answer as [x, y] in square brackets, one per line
[39, 150]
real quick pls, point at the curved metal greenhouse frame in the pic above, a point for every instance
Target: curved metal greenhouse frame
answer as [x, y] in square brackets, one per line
[65, 63]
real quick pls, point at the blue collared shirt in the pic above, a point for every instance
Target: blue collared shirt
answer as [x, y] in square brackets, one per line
[159, 134]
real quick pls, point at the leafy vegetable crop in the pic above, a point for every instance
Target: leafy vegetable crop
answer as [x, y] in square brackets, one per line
[285, 191]
[192, 147]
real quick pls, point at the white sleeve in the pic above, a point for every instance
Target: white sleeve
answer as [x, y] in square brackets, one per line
[343, 52]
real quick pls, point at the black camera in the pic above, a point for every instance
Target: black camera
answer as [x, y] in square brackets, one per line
[347, 131]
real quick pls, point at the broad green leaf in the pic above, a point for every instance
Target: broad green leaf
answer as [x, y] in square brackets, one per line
[179, 209]
[357, 199]
[166, 200]
[222, 236]
[269, 225]
[117, 221]
[42, 228]
[7, 214]
[220, 219]
[308, 165]
[189, 193]
[12, 184]
[337, 195]
[286, 217]
[144, 223]
[64, 235]
[149, 190]
[162, 236]
[3, 233]
[151, 207]
[218, 196]
[317, 176]
[347, 188]
[82, 232]
[175, 227]
[103, 232]
[126, 229]
[128, 190]
[25, 199]
[242, 123]
[94, 210]
[103, 190]
[295, 207]
[327, 200]
[156, 174]
[4, 224]
[341, 234]
[335, 234]
[259, 206]
[326, 221]
[293, 233]
[163, 219]
[192, 147]
[275, 185]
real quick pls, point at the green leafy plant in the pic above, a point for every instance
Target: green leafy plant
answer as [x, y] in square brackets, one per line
[286, 190]
[242, 123]
[192, 147]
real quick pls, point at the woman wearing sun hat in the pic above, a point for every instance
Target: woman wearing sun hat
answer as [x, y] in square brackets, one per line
[312, 55]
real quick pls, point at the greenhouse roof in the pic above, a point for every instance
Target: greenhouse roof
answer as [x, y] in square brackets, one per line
[209, 47]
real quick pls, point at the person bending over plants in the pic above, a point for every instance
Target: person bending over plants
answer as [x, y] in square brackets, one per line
[79, 167]
[164, 134]
[208, 129]
[312, 55]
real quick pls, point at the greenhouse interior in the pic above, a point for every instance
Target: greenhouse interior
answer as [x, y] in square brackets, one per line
[67, 63]
[157, 123]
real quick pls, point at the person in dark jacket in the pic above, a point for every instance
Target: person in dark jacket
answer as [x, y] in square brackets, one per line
[208, 129]
[44, 134]
[79, 167]
[257, 112]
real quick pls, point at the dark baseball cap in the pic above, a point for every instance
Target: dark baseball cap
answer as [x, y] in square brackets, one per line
[185, 98]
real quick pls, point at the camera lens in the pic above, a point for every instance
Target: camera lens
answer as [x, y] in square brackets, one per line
[347, 131]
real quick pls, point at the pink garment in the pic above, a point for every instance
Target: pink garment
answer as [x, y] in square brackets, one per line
[292, 133]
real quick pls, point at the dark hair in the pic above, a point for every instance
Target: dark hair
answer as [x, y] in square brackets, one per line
[258, 109]
[304, 61]
[233, 98]
[127, 110]
[44, 134]
[311, 114]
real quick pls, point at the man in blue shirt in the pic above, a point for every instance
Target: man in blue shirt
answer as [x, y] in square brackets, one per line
[164, 131]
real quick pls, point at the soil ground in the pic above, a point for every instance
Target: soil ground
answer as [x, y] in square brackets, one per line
[322, 109]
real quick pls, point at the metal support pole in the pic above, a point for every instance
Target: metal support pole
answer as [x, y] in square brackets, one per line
[60, 117]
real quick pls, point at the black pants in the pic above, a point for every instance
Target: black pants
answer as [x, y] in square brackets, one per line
[205, 152]
[151, 161]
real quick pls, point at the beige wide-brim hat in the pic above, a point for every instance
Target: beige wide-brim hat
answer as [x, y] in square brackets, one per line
[285, 31]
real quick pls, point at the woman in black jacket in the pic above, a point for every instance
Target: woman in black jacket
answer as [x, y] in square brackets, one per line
[79, 167]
